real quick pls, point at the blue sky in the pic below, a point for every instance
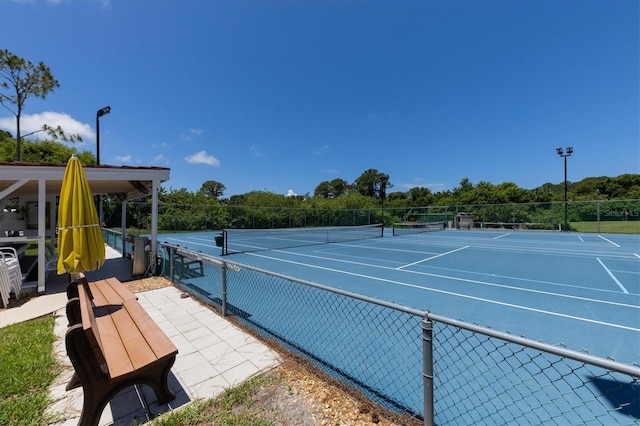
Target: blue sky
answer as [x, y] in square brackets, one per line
[282, 95]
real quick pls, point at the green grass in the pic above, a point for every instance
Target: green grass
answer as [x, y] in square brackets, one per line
[610, 227]
[234, 407]
[27, 368]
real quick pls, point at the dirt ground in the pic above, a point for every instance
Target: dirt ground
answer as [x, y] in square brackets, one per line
[303, 396]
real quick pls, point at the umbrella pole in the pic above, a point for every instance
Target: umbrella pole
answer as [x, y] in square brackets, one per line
[72, 286]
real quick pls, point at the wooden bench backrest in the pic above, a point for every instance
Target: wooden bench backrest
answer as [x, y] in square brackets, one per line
[89, 324]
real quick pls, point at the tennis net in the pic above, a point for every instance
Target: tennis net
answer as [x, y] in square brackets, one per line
[403, 228]
[249, 240]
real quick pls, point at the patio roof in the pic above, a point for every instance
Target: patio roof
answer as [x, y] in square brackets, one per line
[45, 180]
[20, 178]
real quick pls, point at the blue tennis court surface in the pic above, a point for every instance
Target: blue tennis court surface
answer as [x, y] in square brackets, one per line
[579, 290]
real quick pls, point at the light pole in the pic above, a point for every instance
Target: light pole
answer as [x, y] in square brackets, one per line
[563, 155]
[103, 111]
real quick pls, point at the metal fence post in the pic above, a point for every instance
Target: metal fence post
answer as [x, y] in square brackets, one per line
[427, 369]
[224, 288]
[171, 256]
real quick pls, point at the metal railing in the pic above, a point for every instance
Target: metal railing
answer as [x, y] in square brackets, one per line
[436, 369]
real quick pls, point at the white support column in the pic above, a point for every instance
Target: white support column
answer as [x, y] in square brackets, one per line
[123, 227]
[42, 212]
[154, 218]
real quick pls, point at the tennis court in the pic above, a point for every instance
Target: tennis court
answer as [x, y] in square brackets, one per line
[578, 290]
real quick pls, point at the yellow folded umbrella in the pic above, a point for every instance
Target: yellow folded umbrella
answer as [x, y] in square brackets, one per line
[80, 243]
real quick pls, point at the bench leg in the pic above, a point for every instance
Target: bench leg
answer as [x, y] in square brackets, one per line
[73, 311]
[74, 382]
[97, 397]
[92, 407]
[159, 381]
[72, 289]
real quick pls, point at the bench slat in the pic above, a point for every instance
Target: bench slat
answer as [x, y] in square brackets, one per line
[116, 290]
[138, 351]
[157, 340]
[114, 352]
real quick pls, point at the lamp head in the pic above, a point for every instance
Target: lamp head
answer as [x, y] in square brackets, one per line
[104, 111]
[559, 151]
[569, 150]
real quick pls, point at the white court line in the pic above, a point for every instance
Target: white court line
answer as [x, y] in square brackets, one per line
[430, 258]
[452, 278]
[465, 296]
[612, 276]
[580, 238]
[609, 241]
[190, 242]
[636, 255]
[503, 235]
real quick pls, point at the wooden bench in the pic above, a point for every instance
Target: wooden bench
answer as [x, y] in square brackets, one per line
[109, 291]
[114, 346]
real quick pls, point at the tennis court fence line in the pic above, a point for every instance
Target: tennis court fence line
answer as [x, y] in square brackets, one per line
[609, 216]
[436, 369]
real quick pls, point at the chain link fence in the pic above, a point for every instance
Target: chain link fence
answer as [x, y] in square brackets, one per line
[608, 216]
[435, 369]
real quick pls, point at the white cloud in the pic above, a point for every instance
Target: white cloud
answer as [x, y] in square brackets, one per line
[124, 158]
[33, 123]
[202, 158]
[290, 193]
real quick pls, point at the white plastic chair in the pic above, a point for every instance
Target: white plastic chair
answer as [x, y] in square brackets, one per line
[11, 264]
[4, 284]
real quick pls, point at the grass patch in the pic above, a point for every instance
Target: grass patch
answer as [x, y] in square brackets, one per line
[27, 369]
[608, 227]
[237, 406]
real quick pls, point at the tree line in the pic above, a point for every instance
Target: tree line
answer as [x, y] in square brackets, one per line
[364, 201]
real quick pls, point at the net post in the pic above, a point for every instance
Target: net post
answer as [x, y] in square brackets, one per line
[427, 369]
[224, 242]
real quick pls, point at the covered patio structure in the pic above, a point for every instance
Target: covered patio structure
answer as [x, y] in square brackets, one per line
[28, 201]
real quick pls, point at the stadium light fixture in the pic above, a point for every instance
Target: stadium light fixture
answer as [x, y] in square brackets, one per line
[102, 111]
[563, 155]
